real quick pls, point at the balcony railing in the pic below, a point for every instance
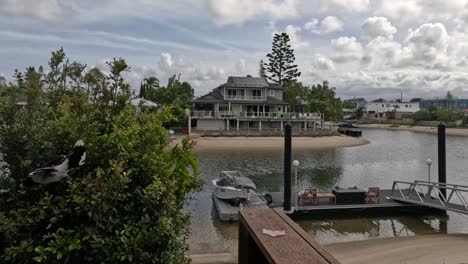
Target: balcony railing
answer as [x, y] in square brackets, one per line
[256, 115]
[245, 97]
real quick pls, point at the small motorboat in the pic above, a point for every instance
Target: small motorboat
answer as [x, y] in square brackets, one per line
[233, 187]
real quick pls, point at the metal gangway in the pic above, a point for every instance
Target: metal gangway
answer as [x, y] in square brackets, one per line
[432, 194]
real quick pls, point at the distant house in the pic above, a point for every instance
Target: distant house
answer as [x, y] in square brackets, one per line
[380, 110]
[247, 103]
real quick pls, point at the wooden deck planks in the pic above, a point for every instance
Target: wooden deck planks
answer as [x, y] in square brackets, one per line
[295, 247]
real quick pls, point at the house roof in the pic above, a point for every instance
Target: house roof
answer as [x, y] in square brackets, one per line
[211, 97]
[215, 96]
[246, 82]
[143, 102]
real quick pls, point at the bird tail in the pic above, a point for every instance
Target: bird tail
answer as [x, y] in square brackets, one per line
[28, 182]
[79, 143]
[78, 156]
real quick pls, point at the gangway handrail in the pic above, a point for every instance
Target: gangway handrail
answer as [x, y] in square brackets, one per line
[443, 184]
[413, 192]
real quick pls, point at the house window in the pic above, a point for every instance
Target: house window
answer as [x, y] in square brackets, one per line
[388, 105]
[256, 92]
[406, 106]
[383, 105]
[224, 108]
[272, 92]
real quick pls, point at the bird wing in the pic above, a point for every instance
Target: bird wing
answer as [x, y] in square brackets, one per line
[43, 175]
[59, 160]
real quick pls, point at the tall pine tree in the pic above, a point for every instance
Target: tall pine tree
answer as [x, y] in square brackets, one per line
[261, 69]
[281, 67]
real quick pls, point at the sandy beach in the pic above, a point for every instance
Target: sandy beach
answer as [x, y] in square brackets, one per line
[274, 143]
[438, 249]
[422, 129]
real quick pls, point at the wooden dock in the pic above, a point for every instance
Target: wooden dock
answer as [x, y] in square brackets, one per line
[353, 132]
[384, 207]
[325, 209]
[229, 212]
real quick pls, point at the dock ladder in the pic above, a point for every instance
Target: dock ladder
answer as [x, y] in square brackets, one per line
[432, 194]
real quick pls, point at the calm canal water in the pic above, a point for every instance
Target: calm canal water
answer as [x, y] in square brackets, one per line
[391, 155]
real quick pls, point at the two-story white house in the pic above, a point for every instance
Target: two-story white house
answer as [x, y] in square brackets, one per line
[380, 109]
[247, 103]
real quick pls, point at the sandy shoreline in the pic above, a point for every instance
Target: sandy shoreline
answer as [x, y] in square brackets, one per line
[275, 143]
[422, 129]
[417, 249]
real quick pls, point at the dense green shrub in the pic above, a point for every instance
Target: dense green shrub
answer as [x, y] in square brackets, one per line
[448, 115]
[422, 115]
[124, 205]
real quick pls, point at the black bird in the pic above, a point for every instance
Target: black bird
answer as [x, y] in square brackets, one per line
[58, 169]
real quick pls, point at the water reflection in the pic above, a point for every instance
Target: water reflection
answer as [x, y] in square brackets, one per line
[343, 230]
[391, 155]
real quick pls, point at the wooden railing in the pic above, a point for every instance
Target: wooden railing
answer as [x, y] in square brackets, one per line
[246, 97]
[256, 115]
[296, 246]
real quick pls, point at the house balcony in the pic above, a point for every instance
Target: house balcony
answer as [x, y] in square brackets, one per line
[255, 115]
[245, 97]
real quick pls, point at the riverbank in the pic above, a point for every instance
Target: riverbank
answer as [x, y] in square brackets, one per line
[421, 129]
[275, 143]
[417, 249]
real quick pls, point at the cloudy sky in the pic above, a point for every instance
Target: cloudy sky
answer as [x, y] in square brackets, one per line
[371, 48]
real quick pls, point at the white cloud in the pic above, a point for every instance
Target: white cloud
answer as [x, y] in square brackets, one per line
[344, 5]
[312, 25]
[381, 53]
[190, 71]
[323, 63]
[427, 44]
[347, 49]
[294, 35]
[329, 24]
[378, 26]
[50, 10]
[227, 12]
[400, 9]
[240, 66]
[166, 61]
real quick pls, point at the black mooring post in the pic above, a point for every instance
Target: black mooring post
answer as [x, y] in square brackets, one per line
[287, 166]
[442, 156]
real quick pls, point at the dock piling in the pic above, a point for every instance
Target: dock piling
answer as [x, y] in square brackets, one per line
[442, 156]
[287, 166]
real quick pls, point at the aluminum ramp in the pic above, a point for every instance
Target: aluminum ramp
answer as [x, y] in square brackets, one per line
[431, 194]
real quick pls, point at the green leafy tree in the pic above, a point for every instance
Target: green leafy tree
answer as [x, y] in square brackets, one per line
[316, 98]
[280, 67]
[295, 93]
[358, 113]
[449, 115]
[450, 100]
[3, 82]
[422, 115]
[148, 88]
[417, 99]
[432, 109]
[322, 98]
[124, 205]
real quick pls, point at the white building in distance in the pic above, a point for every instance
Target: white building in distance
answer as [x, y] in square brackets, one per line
[379, 110]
